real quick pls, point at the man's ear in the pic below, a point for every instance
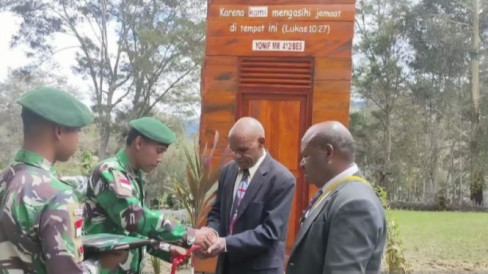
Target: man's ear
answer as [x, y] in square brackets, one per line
[329, 152]
[138, 142]
[262, 141]
[58, 131]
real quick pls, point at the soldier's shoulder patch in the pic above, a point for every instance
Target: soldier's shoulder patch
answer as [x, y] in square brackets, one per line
[103, 167]
[122, 184]
[107, 165]
[75, 215]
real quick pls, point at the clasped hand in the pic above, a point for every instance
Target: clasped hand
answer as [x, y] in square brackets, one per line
[210, 243]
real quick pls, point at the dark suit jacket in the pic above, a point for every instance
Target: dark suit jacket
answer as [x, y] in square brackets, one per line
[346, 233]
[257, 244]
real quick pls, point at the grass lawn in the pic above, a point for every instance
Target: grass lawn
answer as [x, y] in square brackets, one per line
[455, 241]
[433, 241]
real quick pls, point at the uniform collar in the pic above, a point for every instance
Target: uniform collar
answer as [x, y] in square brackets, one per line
[124, 161]
[33, 159]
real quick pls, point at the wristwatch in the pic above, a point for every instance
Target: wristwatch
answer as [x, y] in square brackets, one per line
[190, 236]
[164, 246]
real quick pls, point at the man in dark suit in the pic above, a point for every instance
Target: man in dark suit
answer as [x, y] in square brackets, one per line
[344, 228]
[252, 207]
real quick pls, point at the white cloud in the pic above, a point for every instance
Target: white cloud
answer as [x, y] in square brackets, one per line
[65, 49]
[9, 58]
[64, 57]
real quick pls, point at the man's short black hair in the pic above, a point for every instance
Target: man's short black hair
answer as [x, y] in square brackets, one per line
[132, 135]
[29, 119]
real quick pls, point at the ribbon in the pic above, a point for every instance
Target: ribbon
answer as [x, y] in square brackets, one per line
[177, 260]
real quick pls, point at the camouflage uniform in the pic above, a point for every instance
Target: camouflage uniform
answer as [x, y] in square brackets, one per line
[40, 220]
[115, 204]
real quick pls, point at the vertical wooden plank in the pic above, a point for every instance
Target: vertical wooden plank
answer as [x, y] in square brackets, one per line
[331, 101]
[281, 119]
[327, 69]
[220, 74]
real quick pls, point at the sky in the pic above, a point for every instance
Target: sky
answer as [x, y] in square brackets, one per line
[12, 58]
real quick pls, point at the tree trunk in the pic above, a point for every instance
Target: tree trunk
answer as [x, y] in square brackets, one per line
[385, 170]
[477, 169]
[477, 172]
[104, 128]
[460, 187]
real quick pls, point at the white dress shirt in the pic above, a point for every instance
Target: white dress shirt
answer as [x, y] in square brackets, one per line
[252, 171]
[347, 172]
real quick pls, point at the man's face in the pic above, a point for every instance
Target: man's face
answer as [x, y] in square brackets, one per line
[148, 153]
[67, 140]
[314, 163]
[246, 150]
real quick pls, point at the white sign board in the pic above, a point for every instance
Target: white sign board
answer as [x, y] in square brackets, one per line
[278, 45]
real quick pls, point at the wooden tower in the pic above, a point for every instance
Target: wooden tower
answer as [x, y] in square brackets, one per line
[286, 63]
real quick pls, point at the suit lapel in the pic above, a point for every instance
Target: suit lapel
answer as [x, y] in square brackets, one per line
[256, 183]
[313, 215]
[229, 193]
[309, 221]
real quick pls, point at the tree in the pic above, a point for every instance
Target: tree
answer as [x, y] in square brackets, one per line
[429, 129]
[381, 75]
[134, 52]
[444, 37]
[477, 170]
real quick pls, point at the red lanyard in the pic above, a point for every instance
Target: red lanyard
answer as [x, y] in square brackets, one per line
[179, 259]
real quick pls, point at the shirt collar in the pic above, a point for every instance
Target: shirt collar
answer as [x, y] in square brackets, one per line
[254, 168]
[347, 172]
[33, 159]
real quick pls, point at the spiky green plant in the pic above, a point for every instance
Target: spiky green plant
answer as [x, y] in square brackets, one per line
[198, 193]
[394, 255]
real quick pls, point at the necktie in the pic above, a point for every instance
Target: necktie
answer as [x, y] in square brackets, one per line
[312, 202]
[241, 190]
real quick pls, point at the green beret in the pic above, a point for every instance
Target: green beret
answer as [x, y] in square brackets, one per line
[57, 106]
[154, 129]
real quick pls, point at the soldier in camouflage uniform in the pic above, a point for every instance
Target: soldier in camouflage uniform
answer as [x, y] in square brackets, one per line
[116, 196]
[40, 217]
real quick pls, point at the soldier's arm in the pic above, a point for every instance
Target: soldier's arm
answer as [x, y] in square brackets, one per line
[128, 212]
[60, 236]
[160, 250]
[166, 252]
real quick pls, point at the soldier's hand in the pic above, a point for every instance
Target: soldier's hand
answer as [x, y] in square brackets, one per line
[175, 251]
[111, 259]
